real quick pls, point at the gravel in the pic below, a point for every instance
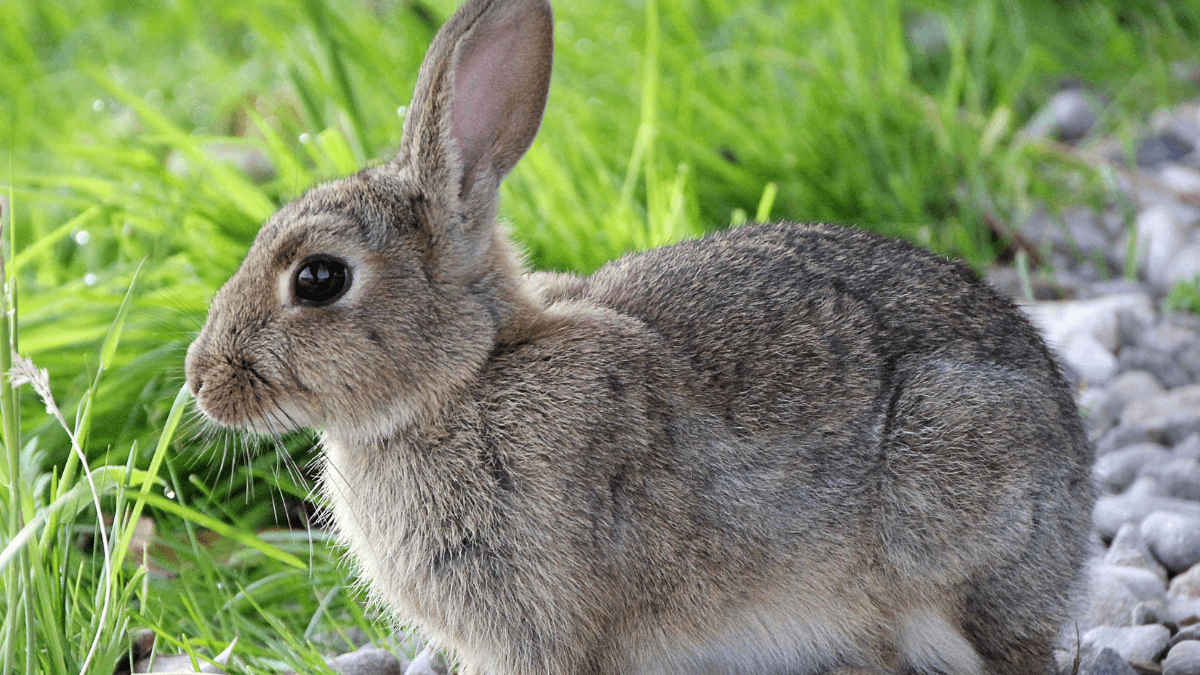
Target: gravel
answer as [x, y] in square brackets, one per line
[1183, 659]
[1136, 369]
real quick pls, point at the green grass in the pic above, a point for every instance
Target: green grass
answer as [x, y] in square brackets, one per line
[665, 120]
[1184, 296]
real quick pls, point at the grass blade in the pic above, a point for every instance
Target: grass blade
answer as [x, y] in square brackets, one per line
[247, 539]
[160, 452]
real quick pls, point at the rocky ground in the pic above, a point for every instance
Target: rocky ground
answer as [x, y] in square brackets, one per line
[1136, 368]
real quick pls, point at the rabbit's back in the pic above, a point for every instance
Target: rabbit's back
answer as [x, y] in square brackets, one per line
[887, 368]
[815, 300]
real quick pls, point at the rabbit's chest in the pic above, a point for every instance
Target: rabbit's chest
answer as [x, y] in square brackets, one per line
[410, 543]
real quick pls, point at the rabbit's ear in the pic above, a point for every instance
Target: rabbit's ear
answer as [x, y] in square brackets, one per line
[479, 98]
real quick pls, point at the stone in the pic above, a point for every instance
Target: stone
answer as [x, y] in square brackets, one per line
[1104, 662]
[1088, 271]
[1098, 412]
[1145, 584]
[1184, 119]
[1188, 448]
[1160, 234]
[1171, 333]
[1160, 149]
[1117, 286]
[366, 661]
[1183, 611]
[1188, 359]
[1173, 538]
[1065, 660]
[1184, 266]
[1161, 364]
[926, 32]
[1183, 659]
[1148, 486]
[1133, 643]
[1111, 513]
[1186, 585]
[427, 662]
[1006, 280]
[1037, 229]
[337, 641]
[1097, 317]
[1178, 476]
[1131, 326]
[1191, 632]
[1111, 602]
[182, 663]
[1180, 178]
[1090, 360]
[1067, 116]
[1114, 219]
[1084, 231]
[1121, 257]
[1172, 415]
[254, 162]
[1116, 470]
[1085, 332]
[1149, 612]
[1131, 385]
[1119, 437]
[1129, 549]
[1074, 113]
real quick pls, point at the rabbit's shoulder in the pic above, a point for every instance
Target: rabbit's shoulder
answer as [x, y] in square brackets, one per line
[577, 357]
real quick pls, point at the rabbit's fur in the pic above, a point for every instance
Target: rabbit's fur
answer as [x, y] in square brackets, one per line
[780, 448]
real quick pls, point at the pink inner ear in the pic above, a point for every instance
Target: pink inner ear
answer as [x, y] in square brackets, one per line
[499, 90]
[482, 90]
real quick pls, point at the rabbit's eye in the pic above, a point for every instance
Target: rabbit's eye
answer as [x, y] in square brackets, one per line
[320, 281]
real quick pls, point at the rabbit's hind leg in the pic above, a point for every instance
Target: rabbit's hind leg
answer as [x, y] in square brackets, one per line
[1007, 651]
[1013, 616]
[929, 643]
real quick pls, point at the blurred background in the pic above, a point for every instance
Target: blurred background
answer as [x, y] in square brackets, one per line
[151, 139]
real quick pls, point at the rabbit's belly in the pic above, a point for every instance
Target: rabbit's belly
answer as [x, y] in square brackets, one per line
[759, 641]
[766, 641]
[738, 659]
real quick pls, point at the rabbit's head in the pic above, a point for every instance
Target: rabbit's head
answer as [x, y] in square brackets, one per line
[366, 301]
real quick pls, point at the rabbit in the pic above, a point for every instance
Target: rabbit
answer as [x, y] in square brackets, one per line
[780, 448]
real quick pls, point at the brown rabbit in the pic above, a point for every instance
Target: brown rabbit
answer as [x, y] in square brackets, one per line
[778, 449]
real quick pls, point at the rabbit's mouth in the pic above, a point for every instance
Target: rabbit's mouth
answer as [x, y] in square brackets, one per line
[266, 418]
[235, 393]
[279, 419]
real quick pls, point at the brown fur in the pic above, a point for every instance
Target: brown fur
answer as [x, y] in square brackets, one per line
[781, 448]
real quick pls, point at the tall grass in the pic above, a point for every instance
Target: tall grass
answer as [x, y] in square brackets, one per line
[150, 141]
[64, 613]
[169, 136]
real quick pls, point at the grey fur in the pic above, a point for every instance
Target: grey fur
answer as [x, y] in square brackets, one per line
[781, 448]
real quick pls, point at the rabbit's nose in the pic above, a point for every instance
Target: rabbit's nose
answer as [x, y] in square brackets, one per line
[195, 384]
[192, 369]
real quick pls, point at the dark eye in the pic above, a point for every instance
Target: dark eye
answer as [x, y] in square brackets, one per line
[320, 281]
